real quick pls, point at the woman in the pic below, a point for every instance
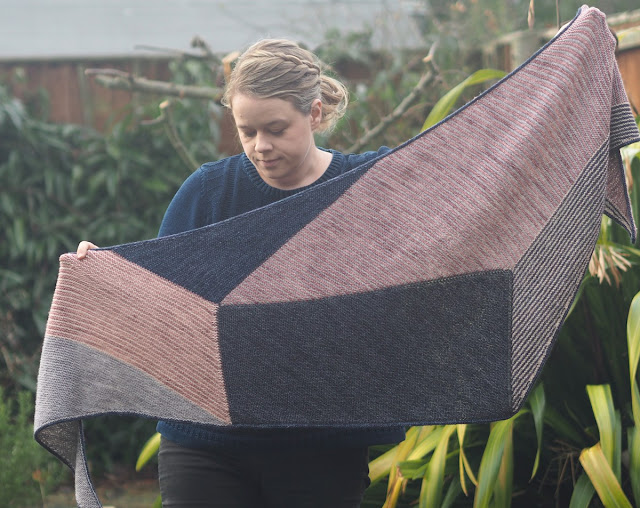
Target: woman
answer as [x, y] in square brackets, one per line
[279, 97]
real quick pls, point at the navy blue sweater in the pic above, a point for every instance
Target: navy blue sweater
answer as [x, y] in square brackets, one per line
[218, 191]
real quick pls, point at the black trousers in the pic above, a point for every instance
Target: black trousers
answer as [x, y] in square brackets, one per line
[263, 478]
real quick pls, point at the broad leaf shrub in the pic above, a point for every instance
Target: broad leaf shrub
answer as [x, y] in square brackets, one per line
[60, 184]
[28, 471]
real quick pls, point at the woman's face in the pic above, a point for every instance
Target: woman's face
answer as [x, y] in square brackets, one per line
[278, 139]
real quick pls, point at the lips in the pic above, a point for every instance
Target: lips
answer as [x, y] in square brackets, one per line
[269, 163]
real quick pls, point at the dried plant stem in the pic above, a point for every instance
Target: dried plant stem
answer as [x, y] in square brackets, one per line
[426, 78]
[116, 79]
[166, 119]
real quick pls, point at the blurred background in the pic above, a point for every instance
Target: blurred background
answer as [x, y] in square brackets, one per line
[107, 106]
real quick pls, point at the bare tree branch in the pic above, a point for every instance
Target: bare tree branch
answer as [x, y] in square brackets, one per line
[205, 52]
[426, 78]
[120, 80]
[176, 53]
[199, 42]
[166, 120]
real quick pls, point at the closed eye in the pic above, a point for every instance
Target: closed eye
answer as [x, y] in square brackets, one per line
[248, 133]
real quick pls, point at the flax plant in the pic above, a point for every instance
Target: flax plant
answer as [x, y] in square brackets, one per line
[430, 457]
[611, 257]
[430, 454]
[609, 260]
[602, 463]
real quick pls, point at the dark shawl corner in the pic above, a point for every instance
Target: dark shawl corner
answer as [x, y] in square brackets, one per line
[426, 287]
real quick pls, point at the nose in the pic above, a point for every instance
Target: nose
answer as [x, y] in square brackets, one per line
[263, 143]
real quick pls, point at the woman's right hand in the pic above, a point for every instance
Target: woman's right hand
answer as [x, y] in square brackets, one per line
[83, 248]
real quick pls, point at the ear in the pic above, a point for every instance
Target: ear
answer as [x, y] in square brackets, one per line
[316, 113]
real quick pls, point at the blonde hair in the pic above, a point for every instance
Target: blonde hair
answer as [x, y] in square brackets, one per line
[279, 68]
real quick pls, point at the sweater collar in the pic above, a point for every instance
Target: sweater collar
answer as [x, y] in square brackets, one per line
[337, 162]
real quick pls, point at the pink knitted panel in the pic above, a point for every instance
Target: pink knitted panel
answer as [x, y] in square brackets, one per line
[495, 181]
[167, 327]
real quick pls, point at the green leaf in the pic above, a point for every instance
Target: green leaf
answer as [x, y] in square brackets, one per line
[492, 460]
[453, 492]
[463, 463]
[156, 184]
[433, 482]
[10, 279]
[602, 405]
[617, 448]
[537, 402]
[633, 343]
[380, 466]
[150, 448]
[444, 105]
[426, 442]
[633, 435]
[15, 111]
[631, 151]
[583, 492]
[504, 484]
[562, 426]
[597, 466]
[7, 204]
[413, 469]
[395, 483]
[19, 234]
[576, 299]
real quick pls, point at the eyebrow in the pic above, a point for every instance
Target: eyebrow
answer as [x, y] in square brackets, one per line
[269, 124]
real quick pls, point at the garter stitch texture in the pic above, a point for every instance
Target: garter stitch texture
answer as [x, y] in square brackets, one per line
[424, 287]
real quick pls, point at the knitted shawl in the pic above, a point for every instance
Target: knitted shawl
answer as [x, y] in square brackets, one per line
[424, 287]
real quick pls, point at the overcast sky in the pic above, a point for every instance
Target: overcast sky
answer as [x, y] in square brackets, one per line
[62, 28]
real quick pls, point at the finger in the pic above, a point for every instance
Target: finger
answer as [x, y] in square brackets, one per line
[83, 248]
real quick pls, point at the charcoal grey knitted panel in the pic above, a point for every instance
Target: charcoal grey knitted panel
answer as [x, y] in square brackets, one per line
[179, 258]
[86, 496]
[623, 132]
[359, 359]
[623, 126]
[541, 300]
[66, 441]
[60, 438]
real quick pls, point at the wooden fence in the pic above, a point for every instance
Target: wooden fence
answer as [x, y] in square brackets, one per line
[513, 49]
[77, 98]
[74, 97]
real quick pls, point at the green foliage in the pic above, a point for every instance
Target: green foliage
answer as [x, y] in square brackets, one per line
[602, 462]
[444, 105]
[115, 440]
[473, 22]
[60, 184]
[149, 449]
[28, 471]
[380, 80]
[591, 351]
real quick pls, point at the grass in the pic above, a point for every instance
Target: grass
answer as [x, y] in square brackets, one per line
[113, 492]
